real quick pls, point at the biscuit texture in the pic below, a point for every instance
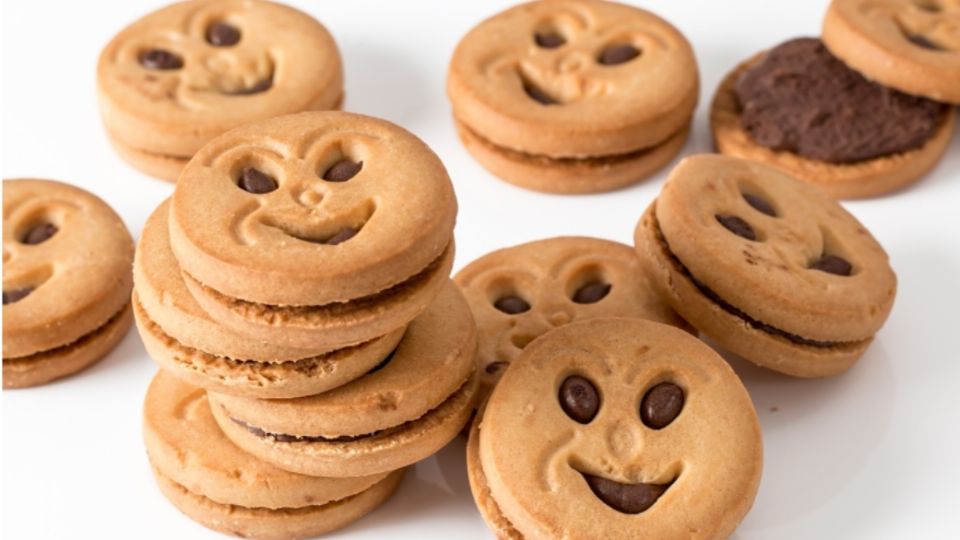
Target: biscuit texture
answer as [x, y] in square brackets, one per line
[546, 92]
[767, 266]
[867, 178]
[557, 281]
[590, 463]
[912, 46]
[179, 76]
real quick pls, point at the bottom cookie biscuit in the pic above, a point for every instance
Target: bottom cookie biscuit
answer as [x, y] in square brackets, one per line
[570, 175]
[46, 366]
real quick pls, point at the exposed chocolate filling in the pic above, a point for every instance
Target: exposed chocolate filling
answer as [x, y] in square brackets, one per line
[284, 438]
[731, 309]
[802, 99]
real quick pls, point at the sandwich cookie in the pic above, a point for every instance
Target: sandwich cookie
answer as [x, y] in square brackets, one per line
[399, 413]
[66, 280]
[617, 429]
[223, 488]
[518, 293]
[577, 96]
[321, 229]
[182, 338]
[799, 108]
[769, 267]
[182, 75]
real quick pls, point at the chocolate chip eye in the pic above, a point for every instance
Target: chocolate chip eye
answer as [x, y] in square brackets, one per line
[342, 236]
[618, 54]
[16, 295]
[511, 305]
[496, 367]
[39, 233]
[832, 264]
[221, 34]
[760, 204]
[930, 6]
[342, 170]
[256, 182]
[549, 40]
[737, 226]
[661, 405]
[579, 399]
[160, 59]
[591, 292]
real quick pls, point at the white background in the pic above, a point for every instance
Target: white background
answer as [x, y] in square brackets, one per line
[871, 454]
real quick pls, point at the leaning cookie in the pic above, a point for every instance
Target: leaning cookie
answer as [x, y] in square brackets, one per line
[769, 267]
[799, 108]
[178, 77]
[910, 45]
[578, 96]
[399, 413]
[518, 293]
[616, 429]
[66, 280]
[223, 488]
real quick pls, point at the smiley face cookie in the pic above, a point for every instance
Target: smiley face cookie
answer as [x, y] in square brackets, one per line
[616, 428]
[180, 76]
[184, 339]
[910, 45]
[573, 96]
[320, 229]
[767, 266]
[66, 280]
[518, 293]
[220, 486]
[404, 410]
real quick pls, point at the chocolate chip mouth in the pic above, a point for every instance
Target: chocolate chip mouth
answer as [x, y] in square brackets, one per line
[731, 309]
[624, 497]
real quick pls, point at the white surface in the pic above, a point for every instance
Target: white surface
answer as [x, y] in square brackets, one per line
[871, 454]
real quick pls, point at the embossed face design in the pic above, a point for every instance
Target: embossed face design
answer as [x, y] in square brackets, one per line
[201, 55]
[928, 24]
[31, 223]
[622, 425]
[519, 293]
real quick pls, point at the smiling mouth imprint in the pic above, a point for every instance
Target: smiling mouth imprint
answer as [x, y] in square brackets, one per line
[626, 498]
[262, 85]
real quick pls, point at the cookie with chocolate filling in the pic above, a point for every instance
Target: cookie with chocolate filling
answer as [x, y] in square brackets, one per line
[801, 109]
[404, 410]
[182, 75]
[768, 267]
[578, 96]
[66, 280]
[616, 429]
[910, 45]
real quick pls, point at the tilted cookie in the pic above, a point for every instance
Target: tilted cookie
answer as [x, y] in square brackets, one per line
[320, 229]
[518, 293]
[66, 280]
[182, 75]
[573, 96]
[616, 428]
[910, 45]
[399, 413]
[220, 486]
[767, 266]
[181, 337]
[801, 109]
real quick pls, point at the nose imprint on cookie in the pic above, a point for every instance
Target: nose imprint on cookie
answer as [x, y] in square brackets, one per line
[624, 440]
[559, 318]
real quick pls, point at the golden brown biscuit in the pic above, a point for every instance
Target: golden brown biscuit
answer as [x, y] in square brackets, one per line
[186, 73]
[616, 429]
[767, 266]
[910, 45]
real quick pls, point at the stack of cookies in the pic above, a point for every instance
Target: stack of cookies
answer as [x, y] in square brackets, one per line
[295, 290]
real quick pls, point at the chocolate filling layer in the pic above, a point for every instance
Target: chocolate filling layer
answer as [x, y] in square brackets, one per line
[731, 309]
[802, 99]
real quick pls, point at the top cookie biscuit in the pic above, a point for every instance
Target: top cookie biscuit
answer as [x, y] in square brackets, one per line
[176, 78]
[310, 209]
[910, 45]
[574, 78]
[66, 265]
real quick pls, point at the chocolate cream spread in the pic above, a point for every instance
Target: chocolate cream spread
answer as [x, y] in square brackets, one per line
[802, 99]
